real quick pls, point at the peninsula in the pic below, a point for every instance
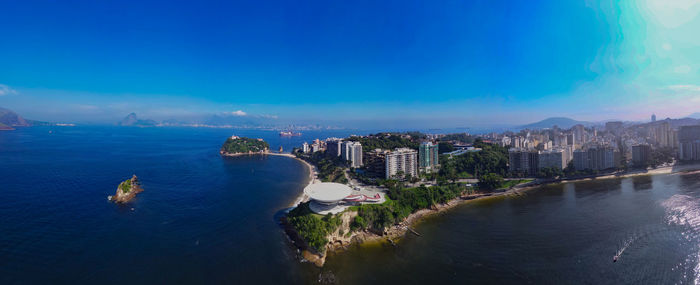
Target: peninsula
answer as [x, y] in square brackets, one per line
[127, 190]
[236, 145]
[414, 174]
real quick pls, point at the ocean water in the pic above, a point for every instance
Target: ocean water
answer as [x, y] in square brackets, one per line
[201, 218]
[205, 219]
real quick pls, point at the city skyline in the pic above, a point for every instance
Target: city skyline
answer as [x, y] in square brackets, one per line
[388, 65]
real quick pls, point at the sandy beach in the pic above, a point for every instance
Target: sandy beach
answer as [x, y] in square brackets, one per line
[313, 174]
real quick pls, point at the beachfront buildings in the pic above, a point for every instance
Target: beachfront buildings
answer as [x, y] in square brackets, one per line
[641, 154]
[401, 161]
[553, 158]
[428, 157]
[597, 158]
[523, 161]
[305, 147]
[689, 143]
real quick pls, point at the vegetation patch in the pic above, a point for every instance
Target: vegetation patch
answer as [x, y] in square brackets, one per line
[313, 228]
[401, 203]
[125, 186]
[330, 168]
[244, 145]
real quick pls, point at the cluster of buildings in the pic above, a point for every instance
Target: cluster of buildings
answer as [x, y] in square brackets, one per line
[350, 151]
[407, 162]
[689, 143]
[396, 163]
[615, 145]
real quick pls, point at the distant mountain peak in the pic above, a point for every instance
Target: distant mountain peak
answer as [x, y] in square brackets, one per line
[12, 119]
[561, 122]
[132, 120]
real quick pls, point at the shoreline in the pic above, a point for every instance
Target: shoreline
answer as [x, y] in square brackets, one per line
[656, 171]
[338, 243]
[396, 232]
[313, 172]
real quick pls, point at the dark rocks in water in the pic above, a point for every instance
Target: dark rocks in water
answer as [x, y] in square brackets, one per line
[127, 190]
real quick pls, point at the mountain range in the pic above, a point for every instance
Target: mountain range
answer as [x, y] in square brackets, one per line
[208, 120]
[561, 122]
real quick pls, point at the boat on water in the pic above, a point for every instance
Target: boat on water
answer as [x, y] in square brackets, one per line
[289, 134]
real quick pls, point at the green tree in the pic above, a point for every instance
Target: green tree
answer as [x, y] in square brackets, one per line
[490, 181]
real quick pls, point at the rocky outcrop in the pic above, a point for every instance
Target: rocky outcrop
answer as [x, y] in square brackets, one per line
[127, 190]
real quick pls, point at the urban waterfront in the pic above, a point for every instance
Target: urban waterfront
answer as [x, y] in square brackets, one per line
[204, 218]
[556, 234]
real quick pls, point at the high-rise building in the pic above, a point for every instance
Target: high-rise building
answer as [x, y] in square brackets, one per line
[523, 161]
[570, 139]
[641, 154]
[653, 118]
[579, 132]
[375, 162]
[662, 134]
[553, 158]
[345, 150]
[560, 140]
[517, 142]
[401, 161]
[333, 147]
[428, 156]
[305, 147]
[355, 150]
[689, 143]
[597, 158]
[581, 159]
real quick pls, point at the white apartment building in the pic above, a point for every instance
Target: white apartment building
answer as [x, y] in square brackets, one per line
[401, 160]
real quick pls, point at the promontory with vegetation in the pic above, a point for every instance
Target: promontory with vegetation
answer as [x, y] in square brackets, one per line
[465, 177]
[127, 190]
[236, 145]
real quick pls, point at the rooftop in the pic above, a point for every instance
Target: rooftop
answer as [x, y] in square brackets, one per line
[327, 192]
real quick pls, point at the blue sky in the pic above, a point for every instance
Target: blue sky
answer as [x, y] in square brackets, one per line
[355, 63]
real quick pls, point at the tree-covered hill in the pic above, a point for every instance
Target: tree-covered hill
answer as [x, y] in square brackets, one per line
[235, 145]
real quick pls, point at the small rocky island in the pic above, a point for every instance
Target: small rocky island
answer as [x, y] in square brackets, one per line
[127, 190]
[236, 145]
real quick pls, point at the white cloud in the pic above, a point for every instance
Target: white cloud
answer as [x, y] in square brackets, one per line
[6, 90]
[239, 113]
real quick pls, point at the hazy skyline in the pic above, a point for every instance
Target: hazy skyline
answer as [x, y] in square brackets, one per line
[389, 64]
